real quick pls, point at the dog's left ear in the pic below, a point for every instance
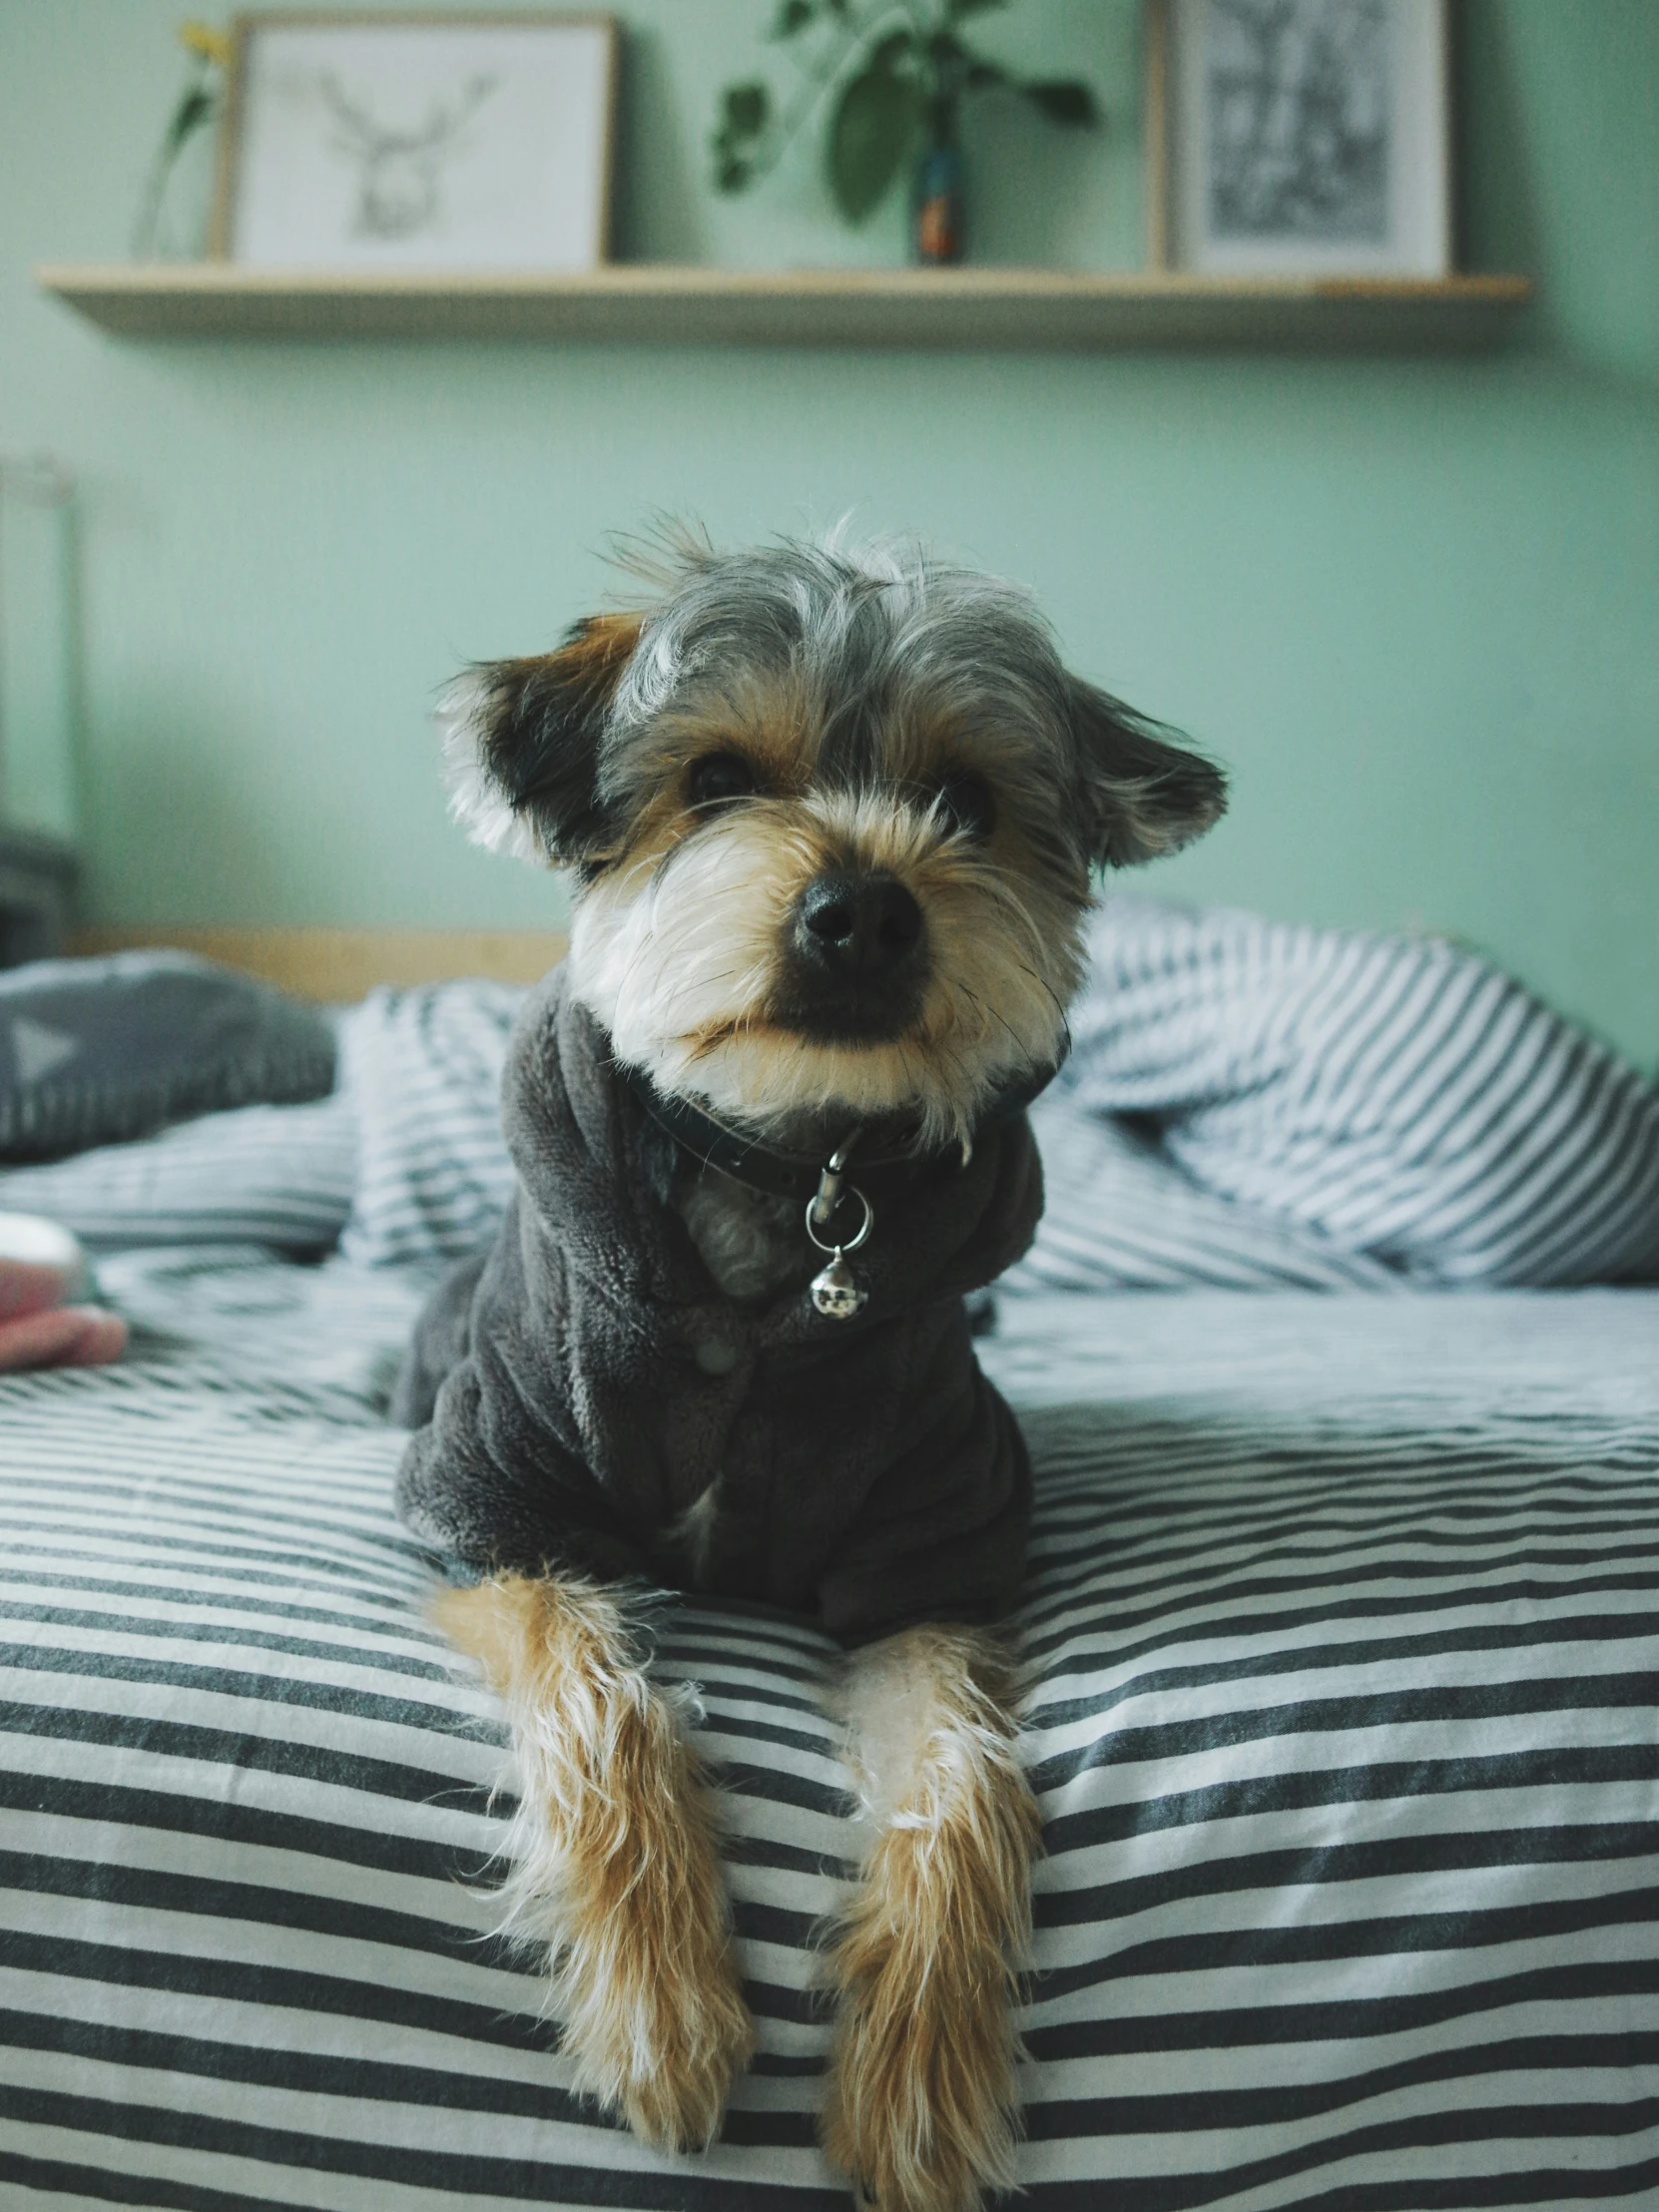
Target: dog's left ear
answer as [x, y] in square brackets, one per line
[522, 741]
[1142, 796]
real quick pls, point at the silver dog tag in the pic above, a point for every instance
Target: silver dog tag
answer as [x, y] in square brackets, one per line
[835, 1290]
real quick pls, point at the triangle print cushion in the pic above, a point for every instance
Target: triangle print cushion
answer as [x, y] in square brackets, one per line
[97, 1052]
[37, 1050]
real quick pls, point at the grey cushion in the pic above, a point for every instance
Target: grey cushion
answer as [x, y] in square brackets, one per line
[95, 1051]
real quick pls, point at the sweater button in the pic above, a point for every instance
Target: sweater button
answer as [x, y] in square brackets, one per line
[715, 1356]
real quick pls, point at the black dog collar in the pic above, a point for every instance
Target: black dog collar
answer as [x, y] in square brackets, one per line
[798, 1175]
[747, 1160]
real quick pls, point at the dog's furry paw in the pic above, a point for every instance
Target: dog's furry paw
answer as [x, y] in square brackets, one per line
[645, 1975]
[924, 2095]
[614, 1868]
[630, 1896]
[924, 2100]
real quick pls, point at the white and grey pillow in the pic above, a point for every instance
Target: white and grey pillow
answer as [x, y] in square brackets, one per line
[276, 1176]
[1393, 1096]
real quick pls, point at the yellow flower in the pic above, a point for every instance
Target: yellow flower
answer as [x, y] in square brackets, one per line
[208, 45]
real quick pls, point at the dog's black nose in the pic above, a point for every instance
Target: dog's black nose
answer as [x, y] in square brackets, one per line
[856, 927]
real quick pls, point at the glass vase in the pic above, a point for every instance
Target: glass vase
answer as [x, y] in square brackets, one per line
[937, 228]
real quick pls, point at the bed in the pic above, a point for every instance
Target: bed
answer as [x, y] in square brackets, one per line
[1341, 1619]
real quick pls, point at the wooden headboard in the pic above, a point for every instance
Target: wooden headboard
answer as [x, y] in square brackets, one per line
[339, 966]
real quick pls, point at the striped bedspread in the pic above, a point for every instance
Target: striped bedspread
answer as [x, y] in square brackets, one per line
[1341, 1615]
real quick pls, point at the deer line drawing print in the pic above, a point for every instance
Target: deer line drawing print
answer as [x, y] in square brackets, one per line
[399, 169]
[420, 143]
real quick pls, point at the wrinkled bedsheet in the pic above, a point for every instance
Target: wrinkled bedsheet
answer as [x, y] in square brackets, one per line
[1342, 1620]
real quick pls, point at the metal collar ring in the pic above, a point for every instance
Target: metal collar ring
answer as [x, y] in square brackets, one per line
[839, 1244]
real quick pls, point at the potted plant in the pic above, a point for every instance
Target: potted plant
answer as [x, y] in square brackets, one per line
[893, 75]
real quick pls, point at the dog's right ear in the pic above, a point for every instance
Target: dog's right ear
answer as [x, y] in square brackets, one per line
[522, 741]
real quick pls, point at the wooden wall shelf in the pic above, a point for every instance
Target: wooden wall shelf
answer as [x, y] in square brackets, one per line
[965, 309]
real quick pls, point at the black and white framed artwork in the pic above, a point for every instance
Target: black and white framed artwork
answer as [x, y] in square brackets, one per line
[356, 143]
[1300, 137]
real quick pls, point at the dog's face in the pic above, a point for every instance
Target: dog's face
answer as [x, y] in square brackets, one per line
[832, 818]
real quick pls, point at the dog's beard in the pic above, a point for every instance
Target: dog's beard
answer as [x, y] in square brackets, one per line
[682, 955]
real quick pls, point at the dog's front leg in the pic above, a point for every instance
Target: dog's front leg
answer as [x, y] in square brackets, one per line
[615, 1868]
[924, 2099]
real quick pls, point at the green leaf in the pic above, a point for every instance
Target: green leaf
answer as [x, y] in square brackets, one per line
[1063, 100]
[744, 119]
[194, 109]
[792, 16]
[870, 132]
[747, 110]
[956, 9]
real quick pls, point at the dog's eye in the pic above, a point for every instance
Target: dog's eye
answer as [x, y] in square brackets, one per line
[718, 777]
[966, 804]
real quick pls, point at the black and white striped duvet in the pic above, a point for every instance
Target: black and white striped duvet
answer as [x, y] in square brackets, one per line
[1344, 1619]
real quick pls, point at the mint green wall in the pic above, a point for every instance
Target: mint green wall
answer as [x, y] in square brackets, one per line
[1413, 604]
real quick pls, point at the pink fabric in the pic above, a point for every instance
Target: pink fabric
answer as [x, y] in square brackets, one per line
[36, 1332]
[29, 1287]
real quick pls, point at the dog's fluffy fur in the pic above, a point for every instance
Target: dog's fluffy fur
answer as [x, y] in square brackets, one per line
[772, 721]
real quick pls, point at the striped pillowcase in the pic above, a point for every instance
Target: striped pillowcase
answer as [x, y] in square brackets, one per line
[279, 1175]
[403, 1164]
[1398, 1097]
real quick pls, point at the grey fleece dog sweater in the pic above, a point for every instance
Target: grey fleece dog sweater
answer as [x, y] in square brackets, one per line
[583, 1384]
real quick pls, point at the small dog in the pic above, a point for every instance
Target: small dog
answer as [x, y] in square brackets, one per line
[831, 815]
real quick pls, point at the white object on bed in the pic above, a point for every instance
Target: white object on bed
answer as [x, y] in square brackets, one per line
[31, 1241]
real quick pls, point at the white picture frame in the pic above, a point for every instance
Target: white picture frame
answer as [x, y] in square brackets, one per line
[1300, 138]
[357, 142]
